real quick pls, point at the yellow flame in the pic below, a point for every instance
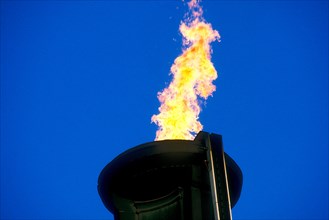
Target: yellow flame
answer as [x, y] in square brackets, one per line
[193, 73]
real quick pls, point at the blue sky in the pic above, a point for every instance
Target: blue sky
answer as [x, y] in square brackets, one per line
[79, 81]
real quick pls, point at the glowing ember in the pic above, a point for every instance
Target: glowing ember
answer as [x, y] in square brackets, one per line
[193, 73]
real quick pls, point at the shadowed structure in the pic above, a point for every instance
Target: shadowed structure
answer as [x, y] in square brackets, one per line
[172, 179]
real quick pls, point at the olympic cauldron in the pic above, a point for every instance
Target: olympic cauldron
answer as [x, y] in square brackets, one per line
[172, 179]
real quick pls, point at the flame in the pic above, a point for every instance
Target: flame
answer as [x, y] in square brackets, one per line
[193, 73]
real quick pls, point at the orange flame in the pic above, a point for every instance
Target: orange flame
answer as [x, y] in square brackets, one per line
[193, 73]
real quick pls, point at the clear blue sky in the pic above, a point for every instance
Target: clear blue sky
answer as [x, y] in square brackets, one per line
[79, 81]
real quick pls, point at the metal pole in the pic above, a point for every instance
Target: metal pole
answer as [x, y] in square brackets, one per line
[212, 180]
[218, 178]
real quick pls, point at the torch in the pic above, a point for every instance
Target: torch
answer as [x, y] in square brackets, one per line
[179, 175]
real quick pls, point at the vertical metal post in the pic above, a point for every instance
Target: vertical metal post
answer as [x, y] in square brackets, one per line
[218, 178]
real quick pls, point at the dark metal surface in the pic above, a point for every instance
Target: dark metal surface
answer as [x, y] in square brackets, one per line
[155, 170]
[218, 178]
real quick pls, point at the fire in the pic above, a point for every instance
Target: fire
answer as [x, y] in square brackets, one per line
[193, 73]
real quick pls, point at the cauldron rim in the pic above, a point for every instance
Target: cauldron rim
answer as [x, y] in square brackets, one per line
[192, 150]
